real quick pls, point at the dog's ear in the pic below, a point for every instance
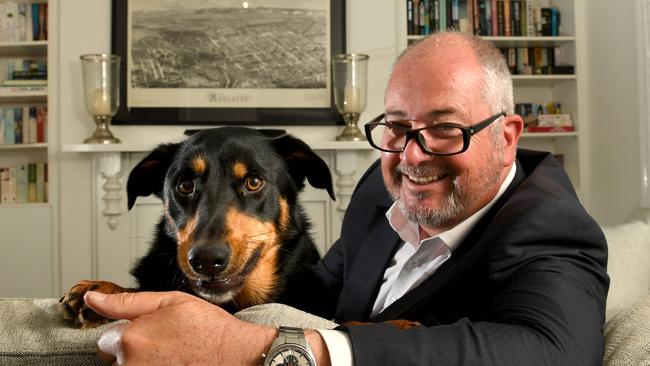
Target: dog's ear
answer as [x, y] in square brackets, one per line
[149, 175]
[303, 163]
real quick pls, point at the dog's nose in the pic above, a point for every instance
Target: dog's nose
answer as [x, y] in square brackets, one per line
[209, 260]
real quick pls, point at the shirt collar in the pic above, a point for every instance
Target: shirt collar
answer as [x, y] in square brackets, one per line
[408, 231]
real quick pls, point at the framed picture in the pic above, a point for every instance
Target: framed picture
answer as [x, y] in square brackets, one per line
[258, 62]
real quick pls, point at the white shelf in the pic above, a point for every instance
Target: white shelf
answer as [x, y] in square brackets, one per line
[41, 145]
[24, 49]
[545, 135]
[131, 147]
[25, 205]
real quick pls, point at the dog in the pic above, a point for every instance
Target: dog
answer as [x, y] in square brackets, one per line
[232, 230]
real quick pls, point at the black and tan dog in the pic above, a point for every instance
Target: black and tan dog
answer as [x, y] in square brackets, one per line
[232, 231]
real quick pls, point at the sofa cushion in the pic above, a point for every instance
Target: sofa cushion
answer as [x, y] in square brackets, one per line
[627, 340]
[629, 250]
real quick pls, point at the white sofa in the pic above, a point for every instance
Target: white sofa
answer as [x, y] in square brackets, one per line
[32, 333]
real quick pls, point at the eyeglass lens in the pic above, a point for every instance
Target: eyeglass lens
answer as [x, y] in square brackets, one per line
[436, 139]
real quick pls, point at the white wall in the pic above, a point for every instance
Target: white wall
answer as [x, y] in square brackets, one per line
[613, 104]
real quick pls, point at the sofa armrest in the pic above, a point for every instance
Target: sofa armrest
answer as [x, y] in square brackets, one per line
[626, 336]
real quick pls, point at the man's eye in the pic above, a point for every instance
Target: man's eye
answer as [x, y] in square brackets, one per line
[253, 183]
[185, 187]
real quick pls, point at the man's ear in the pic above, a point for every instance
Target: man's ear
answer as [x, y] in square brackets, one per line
[303, 163]
[149, 175]
[512, 126]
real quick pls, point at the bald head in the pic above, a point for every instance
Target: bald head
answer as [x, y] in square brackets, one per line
[462, 53]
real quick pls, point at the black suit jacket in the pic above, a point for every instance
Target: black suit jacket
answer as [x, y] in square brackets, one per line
[526, 287]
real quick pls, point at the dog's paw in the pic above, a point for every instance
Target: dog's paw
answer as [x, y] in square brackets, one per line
[74, 308]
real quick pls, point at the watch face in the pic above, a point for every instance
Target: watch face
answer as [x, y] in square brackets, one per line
[289, 356]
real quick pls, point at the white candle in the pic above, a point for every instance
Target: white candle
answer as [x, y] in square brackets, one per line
[351, 99]
[102, 105]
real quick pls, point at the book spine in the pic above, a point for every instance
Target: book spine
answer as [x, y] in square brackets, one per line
[41, 21]
[40, 124]
[35, 22]
[424, 18]
[2, 126]
[10, 126]
[500, 19]
[507, 31]
[40, 182]
[31, 184]
[516, 18]
[26, 126]
[409, 17]
[21, 183]
[33, 129]
[18, 125]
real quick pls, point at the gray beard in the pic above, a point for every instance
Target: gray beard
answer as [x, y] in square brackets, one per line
[457, 201]
[450, 208]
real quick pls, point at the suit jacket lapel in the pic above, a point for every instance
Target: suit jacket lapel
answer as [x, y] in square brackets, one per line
[465, 255]
[367, 270]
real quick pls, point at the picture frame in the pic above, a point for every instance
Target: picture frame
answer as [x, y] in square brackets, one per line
[301, 103]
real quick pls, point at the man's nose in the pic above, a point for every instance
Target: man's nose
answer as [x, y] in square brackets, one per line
[413, 153]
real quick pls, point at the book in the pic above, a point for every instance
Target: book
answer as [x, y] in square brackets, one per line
[10, 126]
[18, 125]
[8, 185]
[31, 183]
[551, 128]
[35, 22]
[22, 179]
[32, 125]
[2, 126]
[554, 120]
[26, 126]
[20, 90]
[40, 182]
[41, 124]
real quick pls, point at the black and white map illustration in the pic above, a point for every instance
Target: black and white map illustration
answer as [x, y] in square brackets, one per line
[229, 44]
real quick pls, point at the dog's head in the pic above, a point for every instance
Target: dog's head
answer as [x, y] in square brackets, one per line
[229, 196]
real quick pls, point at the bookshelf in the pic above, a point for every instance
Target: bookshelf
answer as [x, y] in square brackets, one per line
[534, 88]
[29, 243]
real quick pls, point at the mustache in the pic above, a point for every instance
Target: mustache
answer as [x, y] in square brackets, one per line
[420, 170]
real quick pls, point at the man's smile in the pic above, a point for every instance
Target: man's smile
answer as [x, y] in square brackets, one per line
[425, 179]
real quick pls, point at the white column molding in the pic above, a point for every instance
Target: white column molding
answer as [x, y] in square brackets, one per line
[345, 166]
[110, 169]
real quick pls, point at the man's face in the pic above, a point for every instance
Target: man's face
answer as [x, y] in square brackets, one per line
[438, 192]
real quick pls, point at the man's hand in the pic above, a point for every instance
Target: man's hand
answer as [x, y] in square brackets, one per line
[173, 328]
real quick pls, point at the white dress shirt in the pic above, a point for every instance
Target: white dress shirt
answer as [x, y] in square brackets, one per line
[415, 260]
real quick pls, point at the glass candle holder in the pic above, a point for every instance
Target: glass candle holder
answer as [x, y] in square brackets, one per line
[349, 83]
[100, 74]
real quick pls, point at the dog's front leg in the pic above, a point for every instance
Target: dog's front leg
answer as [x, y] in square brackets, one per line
[74, 307]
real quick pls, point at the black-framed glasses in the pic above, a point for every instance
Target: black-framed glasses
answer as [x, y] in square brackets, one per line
[439, 139]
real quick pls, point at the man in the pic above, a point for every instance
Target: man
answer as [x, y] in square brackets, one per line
[486, 247]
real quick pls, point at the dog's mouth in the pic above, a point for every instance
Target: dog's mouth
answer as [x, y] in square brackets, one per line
[222, 289]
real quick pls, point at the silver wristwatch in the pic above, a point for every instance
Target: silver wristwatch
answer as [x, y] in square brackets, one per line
[289, 349]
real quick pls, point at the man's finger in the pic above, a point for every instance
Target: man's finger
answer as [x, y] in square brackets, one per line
[129, 305]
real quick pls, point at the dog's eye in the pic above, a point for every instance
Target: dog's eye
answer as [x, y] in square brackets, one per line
[185, 187]
[253, 183]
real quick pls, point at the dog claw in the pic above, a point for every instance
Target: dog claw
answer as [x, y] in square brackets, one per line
[74, 308]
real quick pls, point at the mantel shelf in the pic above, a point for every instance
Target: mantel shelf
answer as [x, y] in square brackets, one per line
[143, 147]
